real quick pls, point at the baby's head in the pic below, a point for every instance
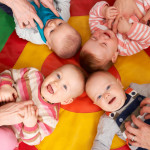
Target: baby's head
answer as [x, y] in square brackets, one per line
[100, 51]
[63, 85]
[62, 38]
[105, 91]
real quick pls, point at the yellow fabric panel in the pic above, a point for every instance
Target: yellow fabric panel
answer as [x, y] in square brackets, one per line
[32, 56]
[134, 68]
[74, 131]
[81, 24]
[117, 143]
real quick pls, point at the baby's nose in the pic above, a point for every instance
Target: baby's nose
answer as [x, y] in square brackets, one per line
[101, 36]
[55, 84]
[106, 95]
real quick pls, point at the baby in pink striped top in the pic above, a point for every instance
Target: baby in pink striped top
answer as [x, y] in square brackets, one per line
[104, 46]
[39, 120]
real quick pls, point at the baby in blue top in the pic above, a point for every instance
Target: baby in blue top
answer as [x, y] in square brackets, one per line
[57, 34]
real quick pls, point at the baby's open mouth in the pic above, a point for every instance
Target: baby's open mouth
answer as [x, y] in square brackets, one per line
[112, 100]
[50, 89]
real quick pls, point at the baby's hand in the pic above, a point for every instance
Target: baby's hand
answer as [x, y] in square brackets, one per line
[123, 25]
[30, 116]
[145, 18]
[110, 13]
[7, 93]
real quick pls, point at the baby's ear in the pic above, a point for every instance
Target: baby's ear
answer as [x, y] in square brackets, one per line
[114, 58]
[49, 46]
[67, 101]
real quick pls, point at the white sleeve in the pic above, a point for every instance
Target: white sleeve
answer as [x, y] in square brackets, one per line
[32, 35]
[63, 8]
[106, 130]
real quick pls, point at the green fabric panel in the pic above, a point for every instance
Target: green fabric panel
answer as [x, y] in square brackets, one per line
[7, 26]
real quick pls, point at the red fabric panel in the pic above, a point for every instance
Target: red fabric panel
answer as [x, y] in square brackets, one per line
[123, 148]
[82, 7]
[148, 51]
[11, 51]
[23, 146]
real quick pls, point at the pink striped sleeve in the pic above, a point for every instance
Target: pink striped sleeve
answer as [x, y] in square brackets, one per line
[96, 18]
[31, 129]
[146, 4]
[31, 135]
[138, 39]
[6, 78]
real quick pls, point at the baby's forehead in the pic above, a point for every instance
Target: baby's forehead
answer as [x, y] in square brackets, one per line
[103, 78]
[69, 70]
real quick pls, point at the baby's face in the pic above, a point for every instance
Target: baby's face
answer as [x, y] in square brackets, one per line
[106, 92]
[55, 31]
[62, 85]
[103, 45]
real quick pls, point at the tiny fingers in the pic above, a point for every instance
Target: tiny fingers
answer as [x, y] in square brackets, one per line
[112, 17]
[37, 112]
[33, 112]
[113, 8]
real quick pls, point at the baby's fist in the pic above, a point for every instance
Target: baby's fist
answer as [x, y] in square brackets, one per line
[7, 93]
[30, 115]
[123, 25]
[110, 13]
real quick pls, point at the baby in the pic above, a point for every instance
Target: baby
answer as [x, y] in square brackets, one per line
[104, 46]
[59, 36]
[60, 87]
[107, 92]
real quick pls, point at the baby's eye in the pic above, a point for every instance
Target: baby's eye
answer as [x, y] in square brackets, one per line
[51, 31]
[60, 24]
[104, 44]
[108, 87]
[65, 87]
[93, 38]
[99, 97]
[58, 76]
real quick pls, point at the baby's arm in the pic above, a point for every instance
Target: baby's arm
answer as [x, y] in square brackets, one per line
[98, 15]
[45, 125]
[96, 18]
[138, 38]
[7, 92]
[30, 131]
[106, 130]
[63, 8]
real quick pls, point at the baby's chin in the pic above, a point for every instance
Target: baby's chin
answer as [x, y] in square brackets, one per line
[116, 107]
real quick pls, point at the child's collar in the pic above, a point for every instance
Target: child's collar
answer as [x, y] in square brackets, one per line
[47, 100]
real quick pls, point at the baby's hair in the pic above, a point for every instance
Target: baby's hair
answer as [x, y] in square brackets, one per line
[71, 45]
[91, 63]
